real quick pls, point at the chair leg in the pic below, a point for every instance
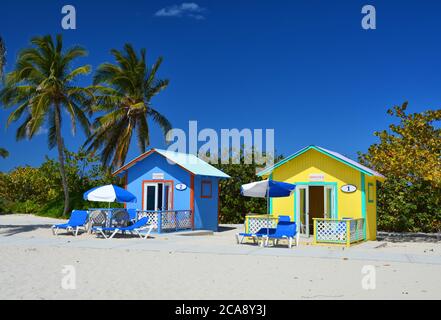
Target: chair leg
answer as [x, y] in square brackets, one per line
[113, 234]
[290, 243]
[102, 233]
[138, 233]
[76, 231]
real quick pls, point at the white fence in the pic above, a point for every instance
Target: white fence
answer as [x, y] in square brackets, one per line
[334, 231]
[169, 220]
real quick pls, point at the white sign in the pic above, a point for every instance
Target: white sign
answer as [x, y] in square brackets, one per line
[316, 177]
[158, 176]
[348, 188]
[181, 187]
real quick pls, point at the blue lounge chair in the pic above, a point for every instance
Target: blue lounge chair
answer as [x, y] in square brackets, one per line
[285, 230]
[255, 236]
[140, 225]
[77, 222]
[260, 233]
[133, 215]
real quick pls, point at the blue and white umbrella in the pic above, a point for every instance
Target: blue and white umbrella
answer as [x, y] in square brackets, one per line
[109, 193]
[267, 189]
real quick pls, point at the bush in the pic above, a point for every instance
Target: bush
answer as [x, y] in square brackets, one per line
[409, 155]
[39, 190]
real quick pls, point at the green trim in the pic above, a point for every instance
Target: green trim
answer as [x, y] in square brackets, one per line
[271, 199]
[363, 203]
[334, 214]
[266, 171]
[295, 205]
[318, 183]
[370, 192]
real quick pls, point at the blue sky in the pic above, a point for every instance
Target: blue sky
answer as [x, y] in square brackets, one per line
[304, 68]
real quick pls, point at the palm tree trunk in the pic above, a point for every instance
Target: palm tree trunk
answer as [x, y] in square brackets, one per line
[60, 145]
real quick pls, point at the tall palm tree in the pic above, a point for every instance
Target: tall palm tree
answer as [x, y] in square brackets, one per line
[4, 153]
[123, 94]
[40, 87]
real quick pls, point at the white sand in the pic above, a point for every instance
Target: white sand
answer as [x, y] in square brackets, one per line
[205, 267]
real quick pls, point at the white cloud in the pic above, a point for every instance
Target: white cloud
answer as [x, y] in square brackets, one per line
[186, 9]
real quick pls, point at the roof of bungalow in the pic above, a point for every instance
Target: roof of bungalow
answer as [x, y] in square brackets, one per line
[186, 161]
[335, 155]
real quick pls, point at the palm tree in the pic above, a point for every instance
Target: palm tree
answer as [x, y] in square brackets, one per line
[123, 94]
[2, 57]
[4, 153]
[40, 87]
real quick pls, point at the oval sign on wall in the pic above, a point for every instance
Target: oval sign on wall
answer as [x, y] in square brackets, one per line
[181, 187]
[348, 188]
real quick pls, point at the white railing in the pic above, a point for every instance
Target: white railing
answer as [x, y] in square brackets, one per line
[168, 220]
[334, 231]
[254, 222]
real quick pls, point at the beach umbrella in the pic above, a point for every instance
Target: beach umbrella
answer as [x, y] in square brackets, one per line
[267, 189]
[109, 193]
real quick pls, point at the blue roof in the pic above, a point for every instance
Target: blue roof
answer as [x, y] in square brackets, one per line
[332, 154]
[189, 162]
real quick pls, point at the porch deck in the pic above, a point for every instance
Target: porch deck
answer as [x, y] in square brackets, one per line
[326, 231]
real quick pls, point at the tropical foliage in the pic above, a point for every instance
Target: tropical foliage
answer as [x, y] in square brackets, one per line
[123, 94]
[39, 190]
[41, 85]
[234, 206]
[409, 155]
[4, 153]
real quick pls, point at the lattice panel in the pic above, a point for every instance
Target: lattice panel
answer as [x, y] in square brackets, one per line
[183, 220]
[168, 220]
[331, 231]
[255, 224]
[357, 233]
[153, 218]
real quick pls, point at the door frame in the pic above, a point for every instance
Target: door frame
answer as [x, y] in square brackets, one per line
[156, 182]
[334, 213]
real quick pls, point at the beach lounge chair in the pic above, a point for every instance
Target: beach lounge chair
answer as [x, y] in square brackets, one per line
[120, 218]
[77, 221]
[133, 214]
[285, 230]
[97, 218]
[260, 233]
[255, 236]
[137, 227]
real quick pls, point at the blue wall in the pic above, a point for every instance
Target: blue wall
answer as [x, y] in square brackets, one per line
[206, 210]
[156, 163]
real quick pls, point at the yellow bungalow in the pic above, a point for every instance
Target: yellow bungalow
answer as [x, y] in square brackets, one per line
[335, 197]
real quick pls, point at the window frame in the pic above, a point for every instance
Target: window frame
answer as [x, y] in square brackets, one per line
[210, 184]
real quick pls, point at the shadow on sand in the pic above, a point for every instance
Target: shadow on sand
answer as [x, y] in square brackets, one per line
[10, 230]
[409, 237]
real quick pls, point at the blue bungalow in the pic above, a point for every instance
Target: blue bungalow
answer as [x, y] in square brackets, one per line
[176, 190]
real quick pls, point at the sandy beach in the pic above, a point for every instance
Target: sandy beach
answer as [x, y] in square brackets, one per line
[205, 267]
